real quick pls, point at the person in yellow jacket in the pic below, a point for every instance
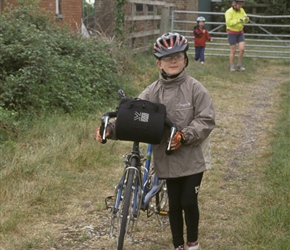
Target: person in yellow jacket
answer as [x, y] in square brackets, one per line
[236, 17]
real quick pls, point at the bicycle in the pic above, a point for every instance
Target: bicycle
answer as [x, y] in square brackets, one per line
[136, 189]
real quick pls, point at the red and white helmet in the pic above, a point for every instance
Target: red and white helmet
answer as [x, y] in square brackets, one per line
[170, 43]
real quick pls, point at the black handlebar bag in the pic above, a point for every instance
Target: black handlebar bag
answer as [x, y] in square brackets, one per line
[140, 120]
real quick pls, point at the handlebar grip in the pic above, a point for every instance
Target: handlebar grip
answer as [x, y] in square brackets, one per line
[168, 152]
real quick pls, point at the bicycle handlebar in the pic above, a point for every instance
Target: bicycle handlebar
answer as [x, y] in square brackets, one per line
[108, 115]
[104, 124]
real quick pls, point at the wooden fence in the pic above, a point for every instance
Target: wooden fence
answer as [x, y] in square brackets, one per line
[145, 21]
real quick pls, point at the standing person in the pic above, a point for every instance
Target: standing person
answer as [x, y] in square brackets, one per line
[200, 37]
[236, 17]
[189, 106]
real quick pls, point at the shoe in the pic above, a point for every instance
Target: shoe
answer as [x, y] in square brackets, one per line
[232, 68]
[193, 246]
[202, 62]
[241, 68]
[180, 248]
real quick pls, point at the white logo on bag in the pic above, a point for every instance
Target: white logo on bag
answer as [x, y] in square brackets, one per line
[142, 117]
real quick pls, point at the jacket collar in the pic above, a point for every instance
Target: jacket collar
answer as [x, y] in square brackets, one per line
[236, 9]
[169, 83]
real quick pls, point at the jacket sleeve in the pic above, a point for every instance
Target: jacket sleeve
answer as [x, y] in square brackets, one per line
[197, 32]
[145, 94]
[244, 14]
[204, 118]
[231, 20]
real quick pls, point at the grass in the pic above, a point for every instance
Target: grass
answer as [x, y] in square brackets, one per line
[54, 176]
[55, 161]
[270, 227]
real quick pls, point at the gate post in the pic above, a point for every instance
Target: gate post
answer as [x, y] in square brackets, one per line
[164, 20]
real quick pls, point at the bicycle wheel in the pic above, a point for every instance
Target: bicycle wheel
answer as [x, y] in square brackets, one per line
[118, 200]
[161, 205]
[125, 213]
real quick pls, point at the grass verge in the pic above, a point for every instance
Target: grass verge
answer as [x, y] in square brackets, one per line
[54, 176]
[269, 226]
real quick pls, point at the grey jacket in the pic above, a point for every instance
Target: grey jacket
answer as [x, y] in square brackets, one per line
[189, 106]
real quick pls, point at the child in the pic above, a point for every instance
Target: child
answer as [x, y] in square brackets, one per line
[189, 106]
[200, 37]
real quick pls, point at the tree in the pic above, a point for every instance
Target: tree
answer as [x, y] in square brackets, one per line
[89, 9]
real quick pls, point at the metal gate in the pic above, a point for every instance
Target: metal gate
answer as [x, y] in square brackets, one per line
[262, 44]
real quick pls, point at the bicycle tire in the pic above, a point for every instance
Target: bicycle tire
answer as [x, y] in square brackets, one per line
[162, 206]
[128, 196]
[116, 208]
[161, 200]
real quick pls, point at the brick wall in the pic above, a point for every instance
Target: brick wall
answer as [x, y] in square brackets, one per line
[70, 12]
[70, 9]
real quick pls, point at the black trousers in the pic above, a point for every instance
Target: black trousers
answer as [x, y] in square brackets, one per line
[183, 194]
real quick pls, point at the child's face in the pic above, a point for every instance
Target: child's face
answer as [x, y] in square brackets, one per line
[201, 24]
[172, 64]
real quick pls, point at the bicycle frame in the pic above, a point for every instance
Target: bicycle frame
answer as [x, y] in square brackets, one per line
[118, 189]
[136, 187]
[142, 193]
[156, 183]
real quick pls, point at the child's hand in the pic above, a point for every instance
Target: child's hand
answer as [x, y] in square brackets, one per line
[98, 136]
[203, 31]
[177, 141]
[211, 40]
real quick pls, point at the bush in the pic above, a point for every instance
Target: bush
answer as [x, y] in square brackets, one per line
[44, 67]
[8, 125]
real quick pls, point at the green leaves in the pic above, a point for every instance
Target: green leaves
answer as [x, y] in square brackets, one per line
[119, 16]
[44, 67]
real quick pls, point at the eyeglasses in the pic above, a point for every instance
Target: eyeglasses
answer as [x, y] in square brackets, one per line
[174, 57]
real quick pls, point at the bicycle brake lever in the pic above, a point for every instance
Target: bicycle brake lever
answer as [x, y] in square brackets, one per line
[105, 121]
[172, 133]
